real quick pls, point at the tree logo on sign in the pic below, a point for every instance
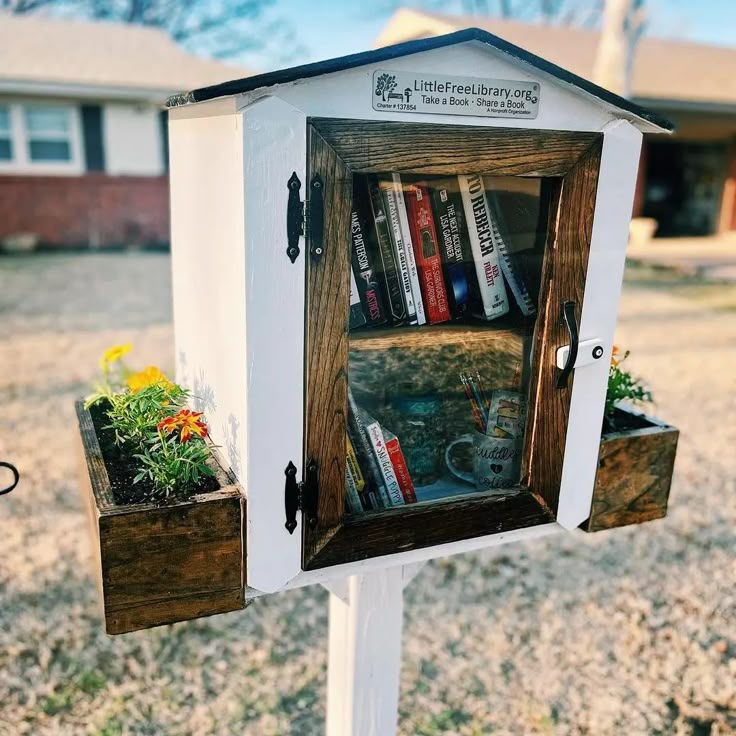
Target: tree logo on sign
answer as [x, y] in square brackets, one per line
[385, 84]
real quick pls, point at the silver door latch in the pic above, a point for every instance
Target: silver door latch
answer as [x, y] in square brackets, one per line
[589, 351]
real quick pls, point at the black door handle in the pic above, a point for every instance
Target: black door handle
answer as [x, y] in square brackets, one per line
[568, 316]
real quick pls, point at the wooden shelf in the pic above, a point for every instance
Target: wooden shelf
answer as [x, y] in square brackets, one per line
[437, 336]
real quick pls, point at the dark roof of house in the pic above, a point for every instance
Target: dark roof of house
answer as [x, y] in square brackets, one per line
[341, 63]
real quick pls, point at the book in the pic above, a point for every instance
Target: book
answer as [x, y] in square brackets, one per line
[401, 469]
[510, 269]
[429, 263]
[352, 499]
[454, 244]
[380, 451]
[388, 193]
[357, 317]
[368, 285]
[491, 286]
[411, 260]
[389, 270]
[351, 462]
[375, 488]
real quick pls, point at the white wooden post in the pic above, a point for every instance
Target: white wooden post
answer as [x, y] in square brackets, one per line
[366, 614]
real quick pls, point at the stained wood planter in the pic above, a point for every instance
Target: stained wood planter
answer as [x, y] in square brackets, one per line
[634, 475]
[159, 564]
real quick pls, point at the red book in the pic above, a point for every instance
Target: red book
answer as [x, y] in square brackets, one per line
[400, 468]
[426, 253]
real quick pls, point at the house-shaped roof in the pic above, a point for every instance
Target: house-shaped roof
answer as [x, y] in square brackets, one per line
[55, 55]
[306, 71]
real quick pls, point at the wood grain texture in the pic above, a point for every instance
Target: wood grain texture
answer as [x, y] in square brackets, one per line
[162, 564]
[422, 148]
[563, 279]
[328, 290]
[425, 525]
[634, 476]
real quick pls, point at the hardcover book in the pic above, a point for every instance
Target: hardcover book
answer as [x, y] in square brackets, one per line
[389, 270]
[429, 263]
[369, 287]
[391, 208]
[485, 255]
[454, 244]
[357, 317]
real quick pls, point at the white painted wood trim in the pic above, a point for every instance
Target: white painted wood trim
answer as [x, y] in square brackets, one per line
[365, 655]
[312, 577]
[274, 139]
[614, 202]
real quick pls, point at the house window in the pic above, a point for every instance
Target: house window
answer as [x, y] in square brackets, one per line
[48, 133]
[6, 139]
[40, 138]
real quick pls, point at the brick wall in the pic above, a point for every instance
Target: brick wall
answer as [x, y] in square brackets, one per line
[94, 209]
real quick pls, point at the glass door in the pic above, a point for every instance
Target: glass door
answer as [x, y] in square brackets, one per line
[434, 316]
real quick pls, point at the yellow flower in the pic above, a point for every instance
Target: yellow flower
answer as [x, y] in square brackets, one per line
[147, 377]
[113, 354]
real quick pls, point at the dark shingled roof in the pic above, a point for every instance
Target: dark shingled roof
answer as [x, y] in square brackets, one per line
[316, 69]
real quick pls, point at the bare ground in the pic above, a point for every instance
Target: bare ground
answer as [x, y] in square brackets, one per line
[625, 632]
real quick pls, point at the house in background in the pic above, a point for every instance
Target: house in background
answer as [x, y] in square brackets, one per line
[83, 144]
[688, 182]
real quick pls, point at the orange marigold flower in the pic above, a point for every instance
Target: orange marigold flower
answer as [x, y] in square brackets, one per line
[614, 354]
[147, 377]
[187, 421]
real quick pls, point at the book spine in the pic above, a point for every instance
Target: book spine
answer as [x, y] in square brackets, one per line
[357, 317]
[411, 261]
[369, 286]
[397, 238]
[509, 268]
[364, 453]
[487, 266]
[351, 460]
[352, 498]
[392, 281]
[448, 209]
[384, 463]
[401, 470]
[429, 263]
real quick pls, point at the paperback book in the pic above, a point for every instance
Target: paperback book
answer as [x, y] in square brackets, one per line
[381, 453]
[368, 285]
[429, 263]
[401, 469]
[389, 271]
[485, 254]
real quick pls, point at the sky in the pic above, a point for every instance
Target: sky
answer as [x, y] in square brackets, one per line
[329, 28]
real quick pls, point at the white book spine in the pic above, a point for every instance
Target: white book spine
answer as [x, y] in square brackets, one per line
[352, 497]
[411, 261]
[485, 253]
[384, 463]
[397, 238]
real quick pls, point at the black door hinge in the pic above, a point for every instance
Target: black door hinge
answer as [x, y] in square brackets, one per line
[301, 496]
[305, 218]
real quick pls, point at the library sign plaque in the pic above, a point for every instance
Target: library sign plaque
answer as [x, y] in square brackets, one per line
[403, 91]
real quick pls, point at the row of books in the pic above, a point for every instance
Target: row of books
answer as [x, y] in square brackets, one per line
[376, 473]
[428, 252]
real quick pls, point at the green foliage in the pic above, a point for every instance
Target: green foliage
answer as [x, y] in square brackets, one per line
[622, 386]
[172, 465]
[134, 416]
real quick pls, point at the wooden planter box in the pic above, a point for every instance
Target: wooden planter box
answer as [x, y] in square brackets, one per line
[634, 474]
[159, 564]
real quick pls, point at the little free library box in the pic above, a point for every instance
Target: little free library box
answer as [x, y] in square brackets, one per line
[396, 277]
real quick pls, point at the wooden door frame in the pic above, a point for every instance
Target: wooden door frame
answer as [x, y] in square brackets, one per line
[338, 148]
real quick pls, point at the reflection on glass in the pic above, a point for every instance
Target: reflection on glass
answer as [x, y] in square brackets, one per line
[444, 285]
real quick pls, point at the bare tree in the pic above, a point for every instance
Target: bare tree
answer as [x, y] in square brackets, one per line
[218, 28]
[623, 25]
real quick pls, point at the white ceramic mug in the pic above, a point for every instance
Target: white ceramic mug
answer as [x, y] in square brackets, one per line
[496, 462]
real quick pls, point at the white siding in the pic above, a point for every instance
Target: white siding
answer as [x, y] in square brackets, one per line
[132, 139]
